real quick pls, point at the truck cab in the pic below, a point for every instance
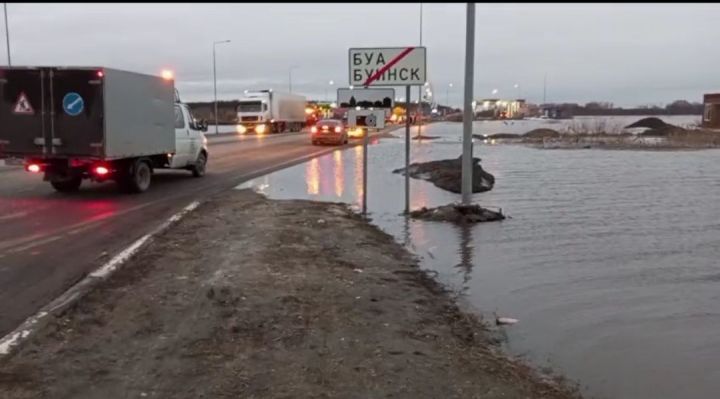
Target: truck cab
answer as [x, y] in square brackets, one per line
[270, 112]
[253, 113]
[190, 141]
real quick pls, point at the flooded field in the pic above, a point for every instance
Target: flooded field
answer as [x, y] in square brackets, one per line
[609, 259]
[589, 124]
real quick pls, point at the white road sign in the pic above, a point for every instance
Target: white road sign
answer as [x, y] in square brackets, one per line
[392, 66]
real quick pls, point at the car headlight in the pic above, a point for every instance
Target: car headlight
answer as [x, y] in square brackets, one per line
[241, 129]
[260, 129]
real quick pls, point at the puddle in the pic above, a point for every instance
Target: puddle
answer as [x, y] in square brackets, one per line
[608, 260]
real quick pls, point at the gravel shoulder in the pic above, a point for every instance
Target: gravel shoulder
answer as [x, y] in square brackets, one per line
[253, 298]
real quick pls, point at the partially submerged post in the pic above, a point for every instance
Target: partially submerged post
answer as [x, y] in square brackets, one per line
[468, 113]
[407, 149]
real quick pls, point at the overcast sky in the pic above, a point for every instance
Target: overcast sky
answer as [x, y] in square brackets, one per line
[627, 54]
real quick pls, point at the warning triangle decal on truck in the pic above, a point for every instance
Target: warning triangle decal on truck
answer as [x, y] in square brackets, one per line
[22, 106]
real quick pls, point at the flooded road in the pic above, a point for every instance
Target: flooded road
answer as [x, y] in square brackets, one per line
[609, 260]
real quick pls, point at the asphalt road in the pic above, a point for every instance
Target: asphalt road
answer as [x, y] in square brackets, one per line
[49, 240]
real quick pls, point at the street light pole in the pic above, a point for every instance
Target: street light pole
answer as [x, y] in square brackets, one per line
[467, 104]
[215, 83]
[290, 77]
[7, 34]
[447, 95]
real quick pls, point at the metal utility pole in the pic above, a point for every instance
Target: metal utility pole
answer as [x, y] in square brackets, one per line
[7, 35]
[467, 104]
[215, 83]
[420, 88]
[290, 77]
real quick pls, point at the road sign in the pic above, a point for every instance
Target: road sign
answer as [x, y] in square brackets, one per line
[73, 104]
[22, 106]
[391, 66]
[366, 118]
[366, 98]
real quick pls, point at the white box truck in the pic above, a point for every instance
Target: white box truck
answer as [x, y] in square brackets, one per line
[75, 123]
[268, 111]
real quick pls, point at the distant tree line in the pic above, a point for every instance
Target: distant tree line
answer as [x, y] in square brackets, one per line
[678, 107]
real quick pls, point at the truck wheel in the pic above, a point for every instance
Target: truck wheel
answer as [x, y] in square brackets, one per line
[66, 185]
[198, 170]
[139, 177]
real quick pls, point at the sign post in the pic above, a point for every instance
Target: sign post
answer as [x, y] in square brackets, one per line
[390, 66]
[368, 119]
[407, 150]
[468, 112]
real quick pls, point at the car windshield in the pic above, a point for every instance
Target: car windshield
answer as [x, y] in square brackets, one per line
[249, 106]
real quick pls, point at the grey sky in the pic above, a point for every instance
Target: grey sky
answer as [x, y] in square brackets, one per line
[624, 53]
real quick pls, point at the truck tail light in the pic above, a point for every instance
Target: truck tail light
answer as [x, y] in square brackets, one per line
[34, 168]
[100, 74]
[338, 129]
[101, 170]
[313, 129]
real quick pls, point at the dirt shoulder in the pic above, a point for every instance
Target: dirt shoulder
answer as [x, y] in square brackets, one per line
[252, 298]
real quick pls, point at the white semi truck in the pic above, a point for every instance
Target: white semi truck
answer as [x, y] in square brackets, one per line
[268, 111]
[76, 123]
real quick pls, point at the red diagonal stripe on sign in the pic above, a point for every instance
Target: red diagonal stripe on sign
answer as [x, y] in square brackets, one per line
[387, 66]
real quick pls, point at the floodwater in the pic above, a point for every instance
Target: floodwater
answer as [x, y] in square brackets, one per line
[609, 259]
[579, 124]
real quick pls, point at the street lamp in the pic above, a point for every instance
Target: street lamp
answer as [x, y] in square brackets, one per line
[494, 91]
[447, 94]
[215, 82]
[326, 95]
[517, 86]
[290, 76]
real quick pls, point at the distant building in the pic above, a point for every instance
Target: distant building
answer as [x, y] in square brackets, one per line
[494, 108]
[711, 111]
[556, 111]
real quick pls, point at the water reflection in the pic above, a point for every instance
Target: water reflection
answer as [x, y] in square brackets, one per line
[466, 254]
[358, 178]
[339, 173]
[312, 176]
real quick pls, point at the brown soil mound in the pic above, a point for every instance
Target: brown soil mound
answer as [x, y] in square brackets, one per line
[460, 214]
[504, 136]
[651, 123]
[542, 133]
[447, 174]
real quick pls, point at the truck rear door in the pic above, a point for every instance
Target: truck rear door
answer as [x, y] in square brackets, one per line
[76, 101]
[23, 119]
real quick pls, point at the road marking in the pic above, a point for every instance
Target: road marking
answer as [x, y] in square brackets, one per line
[13, 216]
[77, 291]
[14, 338]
